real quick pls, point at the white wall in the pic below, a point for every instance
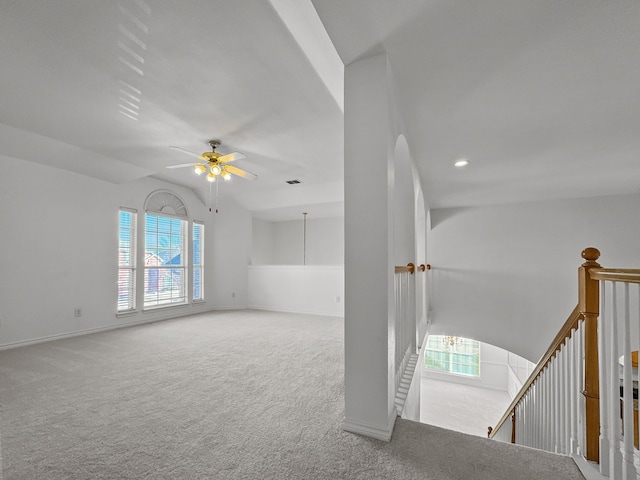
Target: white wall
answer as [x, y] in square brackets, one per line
[518, 371]
[59, 251]
[317, 289]
[263, 242]
[282, 243]
[507, 275]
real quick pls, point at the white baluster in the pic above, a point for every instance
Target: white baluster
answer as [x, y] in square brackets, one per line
[551, 417]
[561, 395]
[628, 470]
[556, 404]
[550, 442]
[538, 414]
[603, 371]
[519, 422]
[581, 399]
[534, 417]
[615, 460]
[530, 418]
[573, 389]
[567, 397]
[525, 421]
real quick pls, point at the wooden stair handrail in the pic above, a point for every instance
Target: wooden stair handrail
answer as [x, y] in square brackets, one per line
[410, 268]
[558, 341]
[627, 275]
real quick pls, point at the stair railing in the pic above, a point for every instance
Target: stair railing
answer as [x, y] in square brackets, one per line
[583, 395]
[405, 331]
[546, 411]
[619, 338]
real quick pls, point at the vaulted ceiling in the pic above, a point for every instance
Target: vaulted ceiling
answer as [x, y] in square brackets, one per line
[542, 97]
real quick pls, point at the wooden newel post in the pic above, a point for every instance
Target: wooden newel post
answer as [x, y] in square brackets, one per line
[589, 305]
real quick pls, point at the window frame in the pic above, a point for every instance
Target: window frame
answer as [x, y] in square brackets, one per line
[166, 272]
[127, 268]
[197, 261]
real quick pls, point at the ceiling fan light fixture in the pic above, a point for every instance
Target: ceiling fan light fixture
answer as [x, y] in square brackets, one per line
[212, 164]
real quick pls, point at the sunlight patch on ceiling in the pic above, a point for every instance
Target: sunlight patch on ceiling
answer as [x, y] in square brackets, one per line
[131, 47]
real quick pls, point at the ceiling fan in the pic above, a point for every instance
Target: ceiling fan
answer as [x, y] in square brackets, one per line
[215, 163]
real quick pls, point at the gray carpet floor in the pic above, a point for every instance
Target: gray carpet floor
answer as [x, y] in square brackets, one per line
[225, 395]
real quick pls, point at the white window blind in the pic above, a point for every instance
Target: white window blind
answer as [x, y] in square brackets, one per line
[198, 261]
[126, 260]
[165, 273]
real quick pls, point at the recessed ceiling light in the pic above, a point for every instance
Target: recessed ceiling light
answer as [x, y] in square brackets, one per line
[293, 182]
[463, 162]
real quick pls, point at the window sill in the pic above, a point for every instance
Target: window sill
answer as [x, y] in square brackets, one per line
[126, 313]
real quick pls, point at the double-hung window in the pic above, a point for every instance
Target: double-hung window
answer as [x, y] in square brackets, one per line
[126, 260]
[165, 273]
[198, 261]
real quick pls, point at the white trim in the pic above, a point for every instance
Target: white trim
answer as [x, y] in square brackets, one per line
[589, 470]
[302, 312]
[77, 333]
[115, 326]
[372, 431]
[296, 267]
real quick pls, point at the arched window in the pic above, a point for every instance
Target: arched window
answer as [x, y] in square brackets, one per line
[172, 272]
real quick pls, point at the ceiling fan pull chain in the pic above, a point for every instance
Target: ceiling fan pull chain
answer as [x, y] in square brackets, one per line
[217, 184]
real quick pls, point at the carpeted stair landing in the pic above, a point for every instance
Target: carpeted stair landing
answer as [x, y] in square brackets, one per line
[225, 395]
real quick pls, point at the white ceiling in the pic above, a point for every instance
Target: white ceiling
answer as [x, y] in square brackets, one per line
[198, 70]
[543, 97]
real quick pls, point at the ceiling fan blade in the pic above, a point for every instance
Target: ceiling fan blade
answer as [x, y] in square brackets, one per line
[182, 165]
[187, 152]
[240, 172]
[231, 157]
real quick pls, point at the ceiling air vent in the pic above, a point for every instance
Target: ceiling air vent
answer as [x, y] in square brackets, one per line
[293, 182]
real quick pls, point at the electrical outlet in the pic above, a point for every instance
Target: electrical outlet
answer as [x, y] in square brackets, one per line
[78, 312]
[337, 299]
[233, 295]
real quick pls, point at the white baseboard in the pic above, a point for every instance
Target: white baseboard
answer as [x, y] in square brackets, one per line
[114, 326]
[301, 312]
[373, 431]
[589, 470]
